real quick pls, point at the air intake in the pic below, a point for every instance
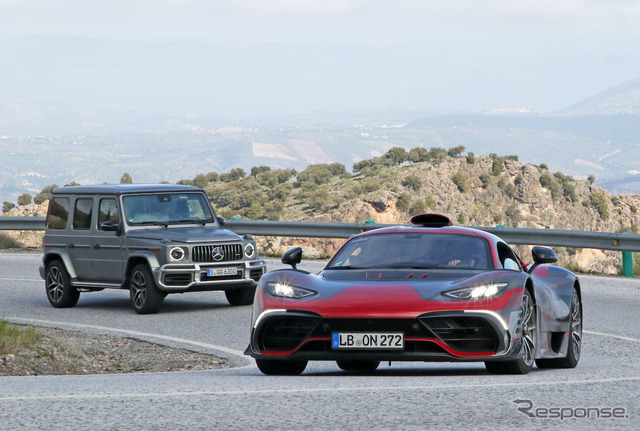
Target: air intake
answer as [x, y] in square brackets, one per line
[431, 220]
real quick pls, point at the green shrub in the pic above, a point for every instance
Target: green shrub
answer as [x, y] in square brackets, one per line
[599, 201]
[412, 182]
[460, 180]
[8, 242]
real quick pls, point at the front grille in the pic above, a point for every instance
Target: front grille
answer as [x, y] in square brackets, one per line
[464, 333]
[217, 253]
[177, 279]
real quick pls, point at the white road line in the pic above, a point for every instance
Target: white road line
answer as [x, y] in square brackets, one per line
[22, 279]
[137, 334]
[619, 337]
[190, 394]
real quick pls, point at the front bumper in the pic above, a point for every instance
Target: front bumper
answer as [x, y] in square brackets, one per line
[460, 335]
[193, 276]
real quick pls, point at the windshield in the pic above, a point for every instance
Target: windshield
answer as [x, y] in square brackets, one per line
[167, 208]
[414, 250]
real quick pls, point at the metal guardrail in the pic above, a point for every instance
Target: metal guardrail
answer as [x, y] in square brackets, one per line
[547, 237]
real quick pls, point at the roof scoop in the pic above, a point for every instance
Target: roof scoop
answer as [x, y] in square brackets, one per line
[431, 220]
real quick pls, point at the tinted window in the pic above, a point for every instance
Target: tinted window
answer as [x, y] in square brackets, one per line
[58, 213]
[414, 250]
[108, 211]
[82, 213]
[167, 208]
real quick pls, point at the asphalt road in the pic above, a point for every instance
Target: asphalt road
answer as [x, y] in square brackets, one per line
[603, 392]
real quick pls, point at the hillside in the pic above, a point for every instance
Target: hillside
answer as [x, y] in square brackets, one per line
[472, 190]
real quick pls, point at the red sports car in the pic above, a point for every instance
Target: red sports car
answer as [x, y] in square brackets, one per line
[428, 292]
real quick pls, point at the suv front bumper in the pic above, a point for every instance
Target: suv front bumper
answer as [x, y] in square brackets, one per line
[193, 276]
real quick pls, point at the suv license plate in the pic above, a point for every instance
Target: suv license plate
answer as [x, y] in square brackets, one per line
[367, 340]
[221, 272]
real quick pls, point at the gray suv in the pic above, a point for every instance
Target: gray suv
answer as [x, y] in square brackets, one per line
[149, 239]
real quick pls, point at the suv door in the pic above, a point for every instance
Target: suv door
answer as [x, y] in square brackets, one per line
[107, 253]
[79, 239]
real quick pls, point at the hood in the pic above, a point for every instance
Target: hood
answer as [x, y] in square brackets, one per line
[184, 235]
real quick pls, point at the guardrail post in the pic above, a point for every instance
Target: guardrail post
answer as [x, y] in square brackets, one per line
[627, 263]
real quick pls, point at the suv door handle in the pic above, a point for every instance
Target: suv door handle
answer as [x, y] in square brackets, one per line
[71, 246]
[96, 246]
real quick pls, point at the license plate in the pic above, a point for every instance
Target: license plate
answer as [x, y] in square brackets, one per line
[367, 340]
[221, 272]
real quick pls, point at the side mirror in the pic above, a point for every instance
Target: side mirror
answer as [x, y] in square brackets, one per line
[292, 257]
[542, 255]
[221, 221]
[110, 226]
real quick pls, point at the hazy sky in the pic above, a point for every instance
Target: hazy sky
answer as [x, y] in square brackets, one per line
[571, 48]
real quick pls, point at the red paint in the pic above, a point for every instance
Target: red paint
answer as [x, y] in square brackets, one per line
[387, 301]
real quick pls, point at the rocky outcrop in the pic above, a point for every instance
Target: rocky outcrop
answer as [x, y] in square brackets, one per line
[518, 195]
[488, 192]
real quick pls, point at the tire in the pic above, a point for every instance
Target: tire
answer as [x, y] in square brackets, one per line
[281, 368]
[58, 287]
[526, 358]
[575, 339]
[146, 298]
[358, 365]
[241, 296]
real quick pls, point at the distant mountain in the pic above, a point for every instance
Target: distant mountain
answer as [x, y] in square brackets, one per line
[622, 99]
[165, 112]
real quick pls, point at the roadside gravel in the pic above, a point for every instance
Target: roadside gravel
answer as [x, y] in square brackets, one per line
[59, 352]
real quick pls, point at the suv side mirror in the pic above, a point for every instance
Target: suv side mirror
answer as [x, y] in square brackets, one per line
[221, 221]
[110, 226]
[292, 257]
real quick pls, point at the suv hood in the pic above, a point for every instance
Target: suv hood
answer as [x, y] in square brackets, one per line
[185, 234]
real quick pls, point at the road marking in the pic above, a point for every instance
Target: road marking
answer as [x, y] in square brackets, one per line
[22, 279]
[619, 337]
[136, 334]
[519, 384]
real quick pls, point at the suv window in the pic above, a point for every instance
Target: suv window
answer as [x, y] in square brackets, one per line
[82, 213]
[58, 213]
[167, 208]
[108, 211]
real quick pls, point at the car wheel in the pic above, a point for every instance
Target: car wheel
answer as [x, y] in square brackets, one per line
[358, 365]
[524, 362]
[242, 296]
[281, 368]
[60, 293]
[575, 340]
[146, 298]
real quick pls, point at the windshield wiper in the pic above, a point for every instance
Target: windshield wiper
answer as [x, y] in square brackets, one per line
[197, 221]
[152, 223]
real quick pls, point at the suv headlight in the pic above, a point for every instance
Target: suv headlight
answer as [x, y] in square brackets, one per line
[284, 290]
[484, 291]
[177, 253]
[249, 250]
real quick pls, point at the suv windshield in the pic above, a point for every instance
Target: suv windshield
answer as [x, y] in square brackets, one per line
[167, 208]
[417, 250]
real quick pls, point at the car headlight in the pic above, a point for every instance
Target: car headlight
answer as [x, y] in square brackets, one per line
[484, 291]
[177, 253]
[249, 250]
[288, 291]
